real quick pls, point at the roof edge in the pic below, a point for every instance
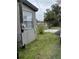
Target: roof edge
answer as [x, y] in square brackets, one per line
[27, 3]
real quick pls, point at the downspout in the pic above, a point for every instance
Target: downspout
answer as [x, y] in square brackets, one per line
[21, 21]
[21, 18]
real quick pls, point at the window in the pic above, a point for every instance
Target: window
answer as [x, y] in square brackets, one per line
[27, 19]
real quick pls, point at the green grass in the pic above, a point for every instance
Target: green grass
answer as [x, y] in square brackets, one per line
[46, 46]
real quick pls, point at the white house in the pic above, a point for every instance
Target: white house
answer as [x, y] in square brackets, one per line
[26, 22]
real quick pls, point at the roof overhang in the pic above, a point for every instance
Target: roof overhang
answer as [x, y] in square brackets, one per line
[27, 3]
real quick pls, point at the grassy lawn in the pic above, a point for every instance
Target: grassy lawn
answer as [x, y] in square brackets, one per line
[46, 46]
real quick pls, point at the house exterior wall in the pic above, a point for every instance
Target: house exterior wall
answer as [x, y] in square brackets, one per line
[29, 34]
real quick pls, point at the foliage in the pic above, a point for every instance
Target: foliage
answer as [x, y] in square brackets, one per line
[40, 29]
[53, 17]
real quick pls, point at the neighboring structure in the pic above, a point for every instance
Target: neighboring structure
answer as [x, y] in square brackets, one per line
[26, 22]
[40, 22]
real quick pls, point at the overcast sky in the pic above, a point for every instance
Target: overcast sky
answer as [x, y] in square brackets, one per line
[42, 5]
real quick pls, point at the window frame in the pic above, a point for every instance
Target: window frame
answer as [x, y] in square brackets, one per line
[26, 27]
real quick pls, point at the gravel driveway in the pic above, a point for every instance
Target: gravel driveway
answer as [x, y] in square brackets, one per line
[51, 30]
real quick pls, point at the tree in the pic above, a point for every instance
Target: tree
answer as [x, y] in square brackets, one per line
[53, 16]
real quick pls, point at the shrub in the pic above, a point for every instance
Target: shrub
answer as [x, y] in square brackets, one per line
[40, 29]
